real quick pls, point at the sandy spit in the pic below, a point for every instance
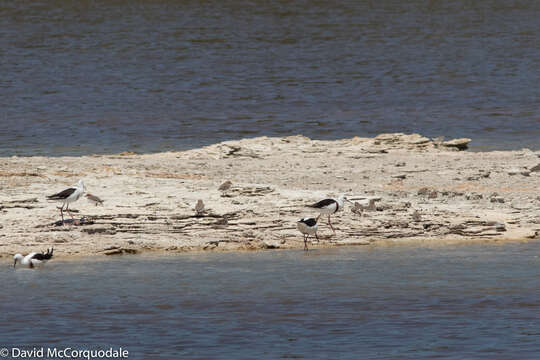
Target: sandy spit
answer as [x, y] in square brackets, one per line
[422, 191]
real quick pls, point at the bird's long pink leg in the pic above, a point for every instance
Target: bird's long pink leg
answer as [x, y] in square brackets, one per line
[62, 213]
[329, 223]
[70, 214]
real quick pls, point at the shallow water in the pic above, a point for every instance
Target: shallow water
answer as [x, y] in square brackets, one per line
[110, 76]
[451, 302]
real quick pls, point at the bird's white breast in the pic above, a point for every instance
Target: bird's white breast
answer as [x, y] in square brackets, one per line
[329, 209]
[304, 229]
[75, 196]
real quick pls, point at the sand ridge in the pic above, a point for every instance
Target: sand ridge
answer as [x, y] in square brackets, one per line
[422, 190]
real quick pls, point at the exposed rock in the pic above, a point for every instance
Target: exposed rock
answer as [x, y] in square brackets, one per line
[113, 252]
[516, 171]
[249, 191]
[474, 196]
[99, 229]
[271, 244]
[117, 250]
[478, 228]
[211, 245]
[416, 139]
[268, 195]
[460, 144]
[520, 205]
[413, 139]
[535, 168]
[237, 151]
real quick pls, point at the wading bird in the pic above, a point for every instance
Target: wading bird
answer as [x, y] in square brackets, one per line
[68, 196]
[33, 259]
[330, 206]
[307, 226]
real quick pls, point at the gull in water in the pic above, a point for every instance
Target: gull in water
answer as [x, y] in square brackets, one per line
[33, 259]
[330, 206]
[307, 226]
[68, 196]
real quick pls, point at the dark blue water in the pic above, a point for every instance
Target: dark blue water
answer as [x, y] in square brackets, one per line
[141, 75]
[451, 302]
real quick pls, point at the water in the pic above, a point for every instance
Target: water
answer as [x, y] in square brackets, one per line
[451, 302]
[110, 76]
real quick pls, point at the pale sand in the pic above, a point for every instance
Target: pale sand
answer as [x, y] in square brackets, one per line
[430, 194]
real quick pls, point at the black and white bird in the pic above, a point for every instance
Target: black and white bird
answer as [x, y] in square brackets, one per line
[94, 199]
[329, 207]
[33, 259]
[68, 196]
[307, 226]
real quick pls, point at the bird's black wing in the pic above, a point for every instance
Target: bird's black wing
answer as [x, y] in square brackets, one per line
[310, 222]
[62, 195]
[323, 203]
[41, 256]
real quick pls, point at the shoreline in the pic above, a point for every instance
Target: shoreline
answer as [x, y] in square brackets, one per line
[158, 254]
[423, 191]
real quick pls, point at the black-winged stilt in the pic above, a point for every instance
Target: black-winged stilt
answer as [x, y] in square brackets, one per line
[330, 206]
[33, 259]
[68, 196]
[307, 226]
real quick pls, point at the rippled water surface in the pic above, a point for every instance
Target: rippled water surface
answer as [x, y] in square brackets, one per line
[109, 76]
[452, 302]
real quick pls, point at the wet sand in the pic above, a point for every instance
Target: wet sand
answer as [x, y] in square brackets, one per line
[423, 190]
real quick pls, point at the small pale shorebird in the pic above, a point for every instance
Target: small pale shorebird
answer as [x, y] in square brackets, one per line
[94, 199]
[307, 226]
[68, 196]
[225, 186]
[33, 259]
[199, 207]
[329, 207]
